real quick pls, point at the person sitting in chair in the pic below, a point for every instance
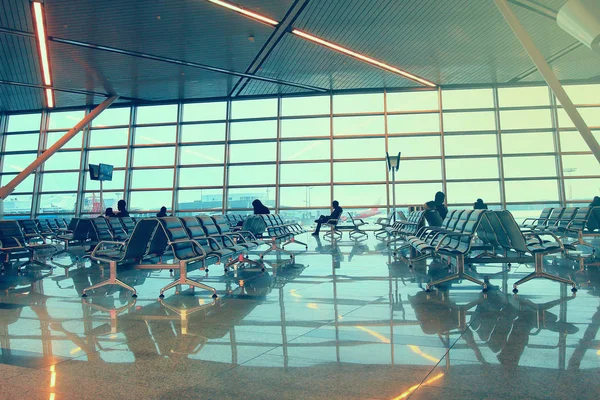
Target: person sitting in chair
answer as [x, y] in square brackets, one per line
[479, 205]
[335, 214]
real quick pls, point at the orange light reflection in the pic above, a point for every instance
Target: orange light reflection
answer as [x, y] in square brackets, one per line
[374, 334]
[411, 389]
[240, 10]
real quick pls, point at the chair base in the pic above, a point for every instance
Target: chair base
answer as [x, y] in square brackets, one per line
[539, 273]
[183, 280]
[460, 274]
[293, 240]
[112, 280]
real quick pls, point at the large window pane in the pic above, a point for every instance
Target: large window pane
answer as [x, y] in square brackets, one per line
[359, 148]
[205, 176]
[535, 142]
[523, 167]
[153, 156]
[251, 152]
[22, 142]
[204, 111]
[358, 125]
[525, 119]
[18, 204]
[24, 187]
[213, 154]
[470, 145]
[60, 182]
[243, 197]
[469, 192]
[65, 119]
[117, 182]
[254, 130]
[112, 117]
[110, 199]
[469, 121]
[418, 170]
[357, 103]
[358, 195]
[74, 143]
[372, 171]
[305, 196]
[470, 98]
[591, 116]
[156, 114]
[263, 108]
[523, 96]
[471, 168]
[17, 162]
[582, 190]
[583, 94]
[415, 146]
[200, 199]
[415, 193]
[305, 173]
[57, 203]
[306, 127]
[63, 160]
[572, 141]
[155, 135]
[142, 201]
[116, 158]
[108, 137]
[411, 101]
[203, 133]
[580, 165]
[409, 123]
[251, 174]
[24, 122]
[305, 150]
[540, 190]
[313, 105]
[152, 178]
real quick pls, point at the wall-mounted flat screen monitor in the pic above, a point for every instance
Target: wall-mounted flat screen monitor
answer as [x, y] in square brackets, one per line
[94, 172]
[106, 172]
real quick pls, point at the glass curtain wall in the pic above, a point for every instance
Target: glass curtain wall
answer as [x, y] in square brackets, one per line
[514, 147]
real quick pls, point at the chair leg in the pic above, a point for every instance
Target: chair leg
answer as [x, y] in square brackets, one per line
[276, 248]
[460, 274]
[184, 280]
[539, 273]
[112, 280]
[293, 240]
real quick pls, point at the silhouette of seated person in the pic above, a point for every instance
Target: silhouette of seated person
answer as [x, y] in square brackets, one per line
[162, 213]
[593, 223]
[479, 205]
[109, 213]
[335, 214]
[260, 208]
[122, 209]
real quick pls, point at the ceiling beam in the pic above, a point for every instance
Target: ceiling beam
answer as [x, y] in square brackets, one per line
[280, 30]
[551, 59]
[536, 7]
[163, 59]
[549, 76]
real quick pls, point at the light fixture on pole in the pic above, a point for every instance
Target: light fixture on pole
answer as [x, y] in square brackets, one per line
[393, 163]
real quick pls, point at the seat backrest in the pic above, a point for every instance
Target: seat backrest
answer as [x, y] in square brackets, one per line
[174, 231]
[101, 229]
[71, 226]
[515, 236]
[11, 234]
[83, 229]
[545, 214]
[115, 226]
[498, 228]
[28, 226]
[448, 218]
[451, 225]
[468, 224]
[566, 217]
[580, 218]
[210, 229]
[433, 218]
[278, 219]
[196, 232]
[158, 243]
[139, 241]
[52, 224]
[128, 224]
[43, 226]
[555, 216]
[485, 232]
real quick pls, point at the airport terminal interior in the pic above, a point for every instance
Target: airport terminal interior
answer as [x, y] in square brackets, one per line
[299, 199]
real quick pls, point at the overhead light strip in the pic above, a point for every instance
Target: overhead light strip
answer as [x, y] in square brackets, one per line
[245, 12]
[42, 40]
[361, 57]
[326, 43]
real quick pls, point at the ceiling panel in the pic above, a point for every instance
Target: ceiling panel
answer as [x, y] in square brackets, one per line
[18, 98]
[273, 9]
[19, 61]
[191, 30]
[16, 14]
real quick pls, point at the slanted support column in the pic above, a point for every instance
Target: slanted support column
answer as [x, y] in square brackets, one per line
[5, 191]
[549, 76]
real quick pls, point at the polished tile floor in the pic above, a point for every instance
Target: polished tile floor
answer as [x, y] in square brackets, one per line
[344, 322]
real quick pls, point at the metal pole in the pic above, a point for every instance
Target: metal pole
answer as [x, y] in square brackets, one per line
[394, 191]
[549, 76]
[10, 187]
[101, 200]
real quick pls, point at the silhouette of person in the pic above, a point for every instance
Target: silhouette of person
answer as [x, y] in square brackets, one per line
[439, 204]
[335, 214]
[162, 212]
[260, 208]
[479, 205]
[109, 213]
[122, 207]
